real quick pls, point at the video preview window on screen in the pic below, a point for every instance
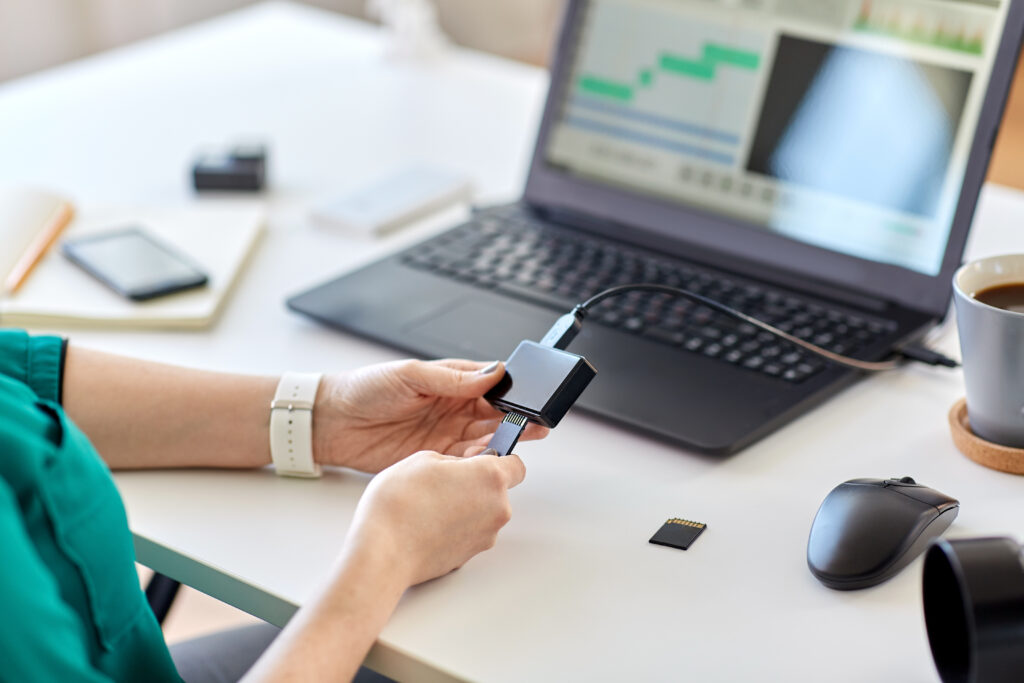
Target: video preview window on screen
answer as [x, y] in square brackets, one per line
[841, 123]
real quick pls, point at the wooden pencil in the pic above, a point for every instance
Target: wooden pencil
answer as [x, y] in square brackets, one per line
[35, 252]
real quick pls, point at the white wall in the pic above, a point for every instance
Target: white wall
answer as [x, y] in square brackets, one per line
[35, 34]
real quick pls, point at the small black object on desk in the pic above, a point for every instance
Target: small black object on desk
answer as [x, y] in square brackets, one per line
[241, 168]
[867, 530]
[678, 533]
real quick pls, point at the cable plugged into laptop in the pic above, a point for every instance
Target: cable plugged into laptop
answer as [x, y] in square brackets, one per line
[927, 356]
[543, 380]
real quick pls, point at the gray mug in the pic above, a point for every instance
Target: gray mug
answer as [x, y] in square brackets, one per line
[992, 348]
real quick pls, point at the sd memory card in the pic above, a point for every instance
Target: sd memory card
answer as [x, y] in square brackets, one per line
[678, 533]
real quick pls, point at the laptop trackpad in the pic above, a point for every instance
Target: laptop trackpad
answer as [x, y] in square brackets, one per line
[474, 330]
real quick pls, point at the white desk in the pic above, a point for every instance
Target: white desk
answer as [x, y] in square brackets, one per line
[572, 591]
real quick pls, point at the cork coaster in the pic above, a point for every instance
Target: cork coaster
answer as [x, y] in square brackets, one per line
[1003, 458]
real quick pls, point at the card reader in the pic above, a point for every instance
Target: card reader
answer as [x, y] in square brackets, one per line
[541, 383]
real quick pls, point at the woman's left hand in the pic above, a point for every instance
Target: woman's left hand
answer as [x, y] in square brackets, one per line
[375, 416]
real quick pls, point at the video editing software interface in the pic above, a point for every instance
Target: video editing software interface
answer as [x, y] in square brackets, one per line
[845, 124]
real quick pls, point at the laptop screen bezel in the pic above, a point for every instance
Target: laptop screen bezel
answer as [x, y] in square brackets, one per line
[679, 229]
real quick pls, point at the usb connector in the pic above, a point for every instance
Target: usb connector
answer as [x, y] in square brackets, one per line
[564, 330]
[927, 356]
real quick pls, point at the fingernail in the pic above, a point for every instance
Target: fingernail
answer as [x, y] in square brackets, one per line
[489, 451]
[490, 368]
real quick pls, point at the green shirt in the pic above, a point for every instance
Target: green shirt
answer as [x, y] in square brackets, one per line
[70, 604]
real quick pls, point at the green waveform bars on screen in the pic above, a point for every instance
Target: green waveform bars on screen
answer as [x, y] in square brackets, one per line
[949, 40]
[703, 69]
[950, 29]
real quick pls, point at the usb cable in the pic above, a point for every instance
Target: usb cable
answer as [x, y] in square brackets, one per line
[565, 329]
[568, 326]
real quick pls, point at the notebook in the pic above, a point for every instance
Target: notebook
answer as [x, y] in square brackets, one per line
[218, 237]
[24, 214]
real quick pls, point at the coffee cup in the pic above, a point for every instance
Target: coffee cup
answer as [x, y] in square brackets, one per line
[992, 345]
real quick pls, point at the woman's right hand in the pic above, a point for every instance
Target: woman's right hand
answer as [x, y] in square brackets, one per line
[420, 518]
[433, 512]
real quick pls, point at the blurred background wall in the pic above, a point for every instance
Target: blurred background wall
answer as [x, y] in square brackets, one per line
[35, 34]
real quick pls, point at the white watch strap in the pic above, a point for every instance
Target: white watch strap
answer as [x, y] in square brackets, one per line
[291, 425]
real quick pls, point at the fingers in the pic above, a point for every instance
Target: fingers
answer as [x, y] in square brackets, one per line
[512, 468]
[484, 429]
[481, 409]
[470, 448]
[475, 430]
[480, 428]
[439, 510]
[534, 432]
[461, 364]
[440, 378]
[473, 446]
[509, 467]
[474, 450]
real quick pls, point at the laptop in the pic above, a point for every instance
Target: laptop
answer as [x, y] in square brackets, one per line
[815, 163]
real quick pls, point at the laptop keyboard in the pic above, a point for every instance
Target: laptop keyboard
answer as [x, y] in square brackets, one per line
[510, 252]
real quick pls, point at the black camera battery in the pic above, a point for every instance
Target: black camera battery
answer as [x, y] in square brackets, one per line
[242, 168]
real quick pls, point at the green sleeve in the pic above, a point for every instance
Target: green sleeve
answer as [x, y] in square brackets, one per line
[41, 637]
[35, 361]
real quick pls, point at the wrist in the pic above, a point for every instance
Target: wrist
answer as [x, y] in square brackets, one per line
[321, 423]
[331, 634]
[372, 563]
[334, 425]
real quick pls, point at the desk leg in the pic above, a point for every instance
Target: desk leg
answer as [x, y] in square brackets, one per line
[160, 593]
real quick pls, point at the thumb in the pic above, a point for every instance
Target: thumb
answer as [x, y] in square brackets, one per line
[512, 467]
[467, 380]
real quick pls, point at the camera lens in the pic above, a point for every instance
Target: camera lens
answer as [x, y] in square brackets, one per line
[974, 609]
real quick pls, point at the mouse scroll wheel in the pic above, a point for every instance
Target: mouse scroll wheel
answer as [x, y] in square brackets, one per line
[907, 480]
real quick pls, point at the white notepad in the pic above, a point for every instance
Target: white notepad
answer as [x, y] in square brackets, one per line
[219, 238]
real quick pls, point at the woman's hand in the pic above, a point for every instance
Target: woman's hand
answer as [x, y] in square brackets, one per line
[371, 418]
[417, 520]
[431, 513]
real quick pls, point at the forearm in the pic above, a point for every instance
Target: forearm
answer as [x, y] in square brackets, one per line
[329, 637]
[141, 414]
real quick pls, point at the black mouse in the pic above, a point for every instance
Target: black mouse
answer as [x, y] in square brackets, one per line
[867, 530]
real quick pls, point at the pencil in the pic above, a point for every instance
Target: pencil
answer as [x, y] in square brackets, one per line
[39, 246]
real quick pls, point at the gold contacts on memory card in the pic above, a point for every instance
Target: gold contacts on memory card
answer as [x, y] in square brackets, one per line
[678, 533]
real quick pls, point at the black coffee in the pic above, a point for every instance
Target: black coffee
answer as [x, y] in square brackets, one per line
[1009, 297]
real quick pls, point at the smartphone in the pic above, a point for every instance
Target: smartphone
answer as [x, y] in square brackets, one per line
[395, 201]
[133, 263]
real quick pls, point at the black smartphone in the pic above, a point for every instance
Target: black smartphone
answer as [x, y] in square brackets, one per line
[133, 263]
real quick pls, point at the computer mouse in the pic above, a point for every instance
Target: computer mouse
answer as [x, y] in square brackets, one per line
[867, 530]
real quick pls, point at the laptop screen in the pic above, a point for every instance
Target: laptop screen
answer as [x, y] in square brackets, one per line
[844, 124]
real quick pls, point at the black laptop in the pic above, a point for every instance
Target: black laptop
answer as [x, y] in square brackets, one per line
[815, 164]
